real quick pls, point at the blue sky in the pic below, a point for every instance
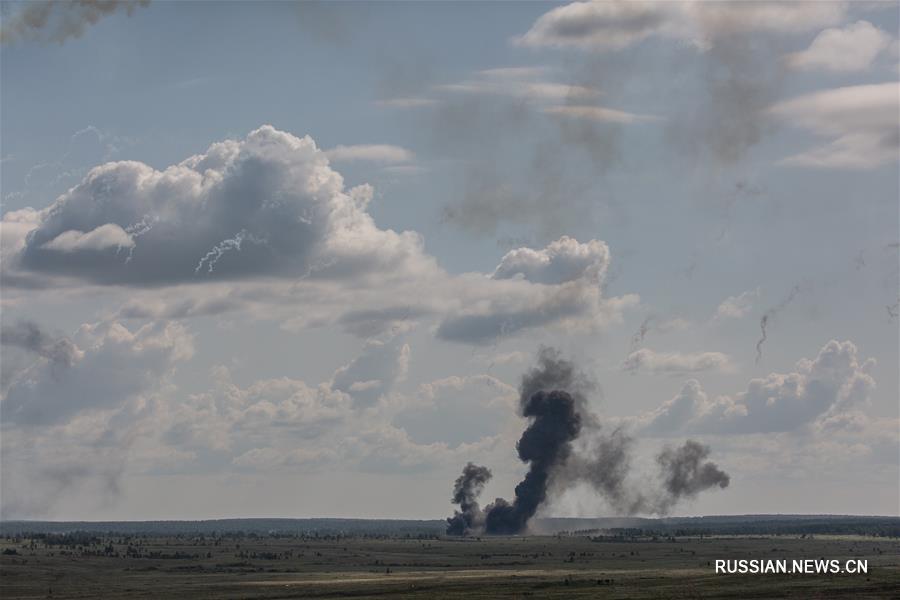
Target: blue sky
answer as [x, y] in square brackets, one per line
[280, 321]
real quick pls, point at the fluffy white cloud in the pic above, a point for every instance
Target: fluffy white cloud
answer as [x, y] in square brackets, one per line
[557, 285]
[102, 238]
[271, 411]
[736, 307]
[108, 365]
[561, 261]
[269, 424]
[263, 225]
[268, 204]
[675, 362]
[379, 153]
[834, 383]
[288, 424]
[622, 23]
[862, 120]
[851, 48]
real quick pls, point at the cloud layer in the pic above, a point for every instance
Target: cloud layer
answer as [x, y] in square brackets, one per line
[619, 24]
[836, 382]
[861, 120]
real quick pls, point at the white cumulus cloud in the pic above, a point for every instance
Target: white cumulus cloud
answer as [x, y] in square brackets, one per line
[834, 383]
[851, 48]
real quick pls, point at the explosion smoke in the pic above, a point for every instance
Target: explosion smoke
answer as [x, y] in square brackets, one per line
[469, 518]
[544, 445]
[563, 445]
[685, 475]
[604, 463]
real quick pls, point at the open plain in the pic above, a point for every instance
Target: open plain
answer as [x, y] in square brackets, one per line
[426, 565]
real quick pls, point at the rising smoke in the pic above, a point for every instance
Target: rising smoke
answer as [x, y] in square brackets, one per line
[563, 445]
[544, 445]
[686, 475]
[469, 518]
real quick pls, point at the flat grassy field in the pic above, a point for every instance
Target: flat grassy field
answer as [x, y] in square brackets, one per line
[245, 567]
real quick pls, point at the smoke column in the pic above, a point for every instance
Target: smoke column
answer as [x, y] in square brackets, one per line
[469, 518]
[564, 444]
[545, 444]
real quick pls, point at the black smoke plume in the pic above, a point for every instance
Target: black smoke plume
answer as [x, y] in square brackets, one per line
[685, 474]
[544, 445]
[469, 518]
[564, 444]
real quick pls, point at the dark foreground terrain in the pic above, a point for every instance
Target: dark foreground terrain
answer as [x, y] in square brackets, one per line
[650, 560]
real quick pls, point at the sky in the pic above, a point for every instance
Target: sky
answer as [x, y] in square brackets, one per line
[293, 260]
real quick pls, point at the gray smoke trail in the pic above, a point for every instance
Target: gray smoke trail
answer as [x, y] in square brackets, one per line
[685, 474]
[469, 518]
[764, 321]
[57, 21]
[61, 352]
[638, 338]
